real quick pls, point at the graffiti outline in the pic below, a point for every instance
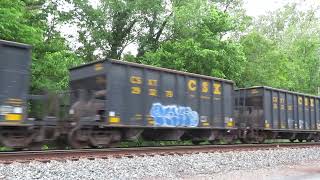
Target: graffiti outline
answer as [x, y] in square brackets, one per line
[173, 115]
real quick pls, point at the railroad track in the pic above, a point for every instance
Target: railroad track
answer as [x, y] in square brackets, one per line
[63, 155]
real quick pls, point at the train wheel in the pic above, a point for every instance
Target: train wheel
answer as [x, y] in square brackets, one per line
[99, 141]
[75, 140]
[292, 140]
[104, 138]
[228, 139]
[196, 142]
[300, 140]
[245, 140]
[16, 140]
[35, 146]
[260, 138]
[216, 141]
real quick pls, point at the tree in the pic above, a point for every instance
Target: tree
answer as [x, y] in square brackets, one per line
[235, 9]
[196, 45]
[107, 29]
[290, 42]
[53, 57]
[27, 21]
[266, 65]
[14, 23]
[155, 19]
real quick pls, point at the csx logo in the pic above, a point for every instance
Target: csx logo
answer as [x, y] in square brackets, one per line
[98, 67]
[311, 102]
[300, 100]
[216, 88]
[192, 85]
[205, 87]
[135, 80]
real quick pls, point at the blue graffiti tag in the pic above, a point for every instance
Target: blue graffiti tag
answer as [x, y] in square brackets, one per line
[173, 115]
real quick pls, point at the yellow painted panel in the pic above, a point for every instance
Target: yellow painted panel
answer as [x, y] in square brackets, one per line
[230, 124]
[114, 119]
[13, 117]
[267, 125]
[136, 80]
[135, 90]
[205, 124]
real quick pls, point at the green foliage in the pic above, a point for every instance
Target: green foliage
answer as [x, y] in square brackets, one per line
[197, 46]
[283, 50]
[279, 49]
[266, 65]
[104, 30]
[3, 148]
[14, 23]
[51, 72]
[239, 19]
[28, 22]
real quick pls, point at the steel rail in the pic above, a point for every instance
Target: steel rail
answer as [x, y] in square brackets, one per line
[76, 154]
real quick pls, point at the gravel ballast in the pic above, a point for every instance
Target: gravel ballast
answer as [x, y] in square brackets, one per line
[206, 165]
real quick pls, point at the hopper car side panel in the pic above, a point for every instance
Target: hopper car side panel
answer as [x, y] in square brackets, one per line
[15, 59]
[142, 96]
[282, 110]
[146, 96]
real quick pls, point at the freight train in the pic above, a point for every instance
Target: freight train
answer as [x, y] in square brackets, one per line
[110, 101]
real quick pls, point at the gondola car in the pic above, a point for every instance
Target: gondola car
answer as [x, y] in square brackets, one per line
[270, 113]
[15, 59]
[121, 100]
[17, 129]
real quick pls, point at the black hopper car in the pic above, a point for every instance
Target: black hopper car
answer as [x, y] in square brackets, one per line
[110, 101]
[122, 101]
[17, 128]
[265, 112]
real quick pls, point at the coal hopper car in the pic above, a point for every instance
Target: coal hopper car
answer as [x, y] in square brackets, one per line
[265, 112]
[17, 129]
[15, 59]
[116, 100]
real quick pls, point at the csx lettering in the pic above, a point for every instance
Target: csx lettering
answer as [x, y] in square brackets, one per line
[216, 88]
[192, 85]
[205, 87]
[282, 100]
[169, 93]
[135, 90]
[275, 106]
[306, 102]
[135, 80]
[300, 100]
[274, 99]
[311, 102]
[152, 82]
[98, 67]
[153, 92]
